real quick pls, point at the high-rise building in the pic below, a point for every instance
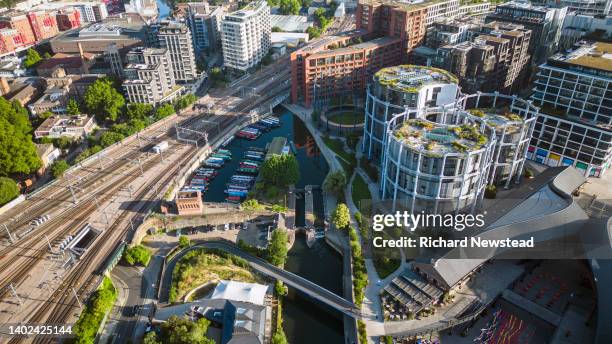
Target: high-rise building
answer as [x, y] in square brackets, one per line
[394, 89]
[113, 57]
[205, 23]
[319, 73]
[574, 91]
[577, 26]
[176, 38]
[544, 22]
[496, 59]
[148, 77]
[245, 36]
[20, 22]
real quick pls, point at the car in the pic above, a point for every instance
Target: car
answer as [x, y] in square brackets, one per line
[226, 226]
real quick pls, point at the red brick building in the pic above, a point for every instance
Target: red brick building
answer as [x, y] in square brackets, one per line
[403, 21]
[20, 22]
[10, 40]
[68, 18]
[332, 66]
[43, 24]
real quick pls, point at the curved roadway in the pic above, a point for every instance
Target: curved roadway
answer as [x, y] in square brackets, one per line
[303, 285]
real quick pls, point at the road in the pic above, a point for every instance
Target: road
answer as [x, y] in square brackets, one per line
[105, 179]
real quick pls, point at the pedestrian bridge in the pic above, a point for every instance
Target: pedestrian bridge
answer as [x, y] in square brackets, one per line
[305, 286]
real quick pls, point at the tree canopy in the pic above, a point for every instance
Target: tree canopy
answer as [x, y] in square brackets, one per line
[277, 248]
[280, 170]
[334, 183]
[8, 190]
[180, 330]
[139, 111]
[290, 6]
[17, 151]
[137, 255]
[32, 58]
[103, 100]
[341, 217]
[164, 111]
[251, 205]
[73, 107]
[58, 168]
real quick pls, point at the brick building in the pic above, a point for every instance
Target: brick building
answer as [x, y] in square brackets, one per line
[189, 203]
[68, 18]
[43, 24]
[20, 22]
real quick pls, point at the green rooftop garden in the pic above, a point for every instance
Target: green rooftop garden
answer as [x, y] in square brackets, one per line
[435, 139]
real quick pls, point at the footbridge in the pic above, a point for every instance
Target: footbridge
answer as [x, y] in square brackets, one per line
[305, 286]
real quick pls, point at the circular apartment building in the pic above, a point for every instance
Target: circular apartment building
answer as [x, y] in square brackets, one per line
[395, 89]
[433, 167]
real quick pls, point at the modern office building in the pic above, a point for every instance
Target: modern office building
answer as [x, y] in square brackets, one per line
[176, 38]
[148, 76]
[432, 167]
[544, 22]
[577, 26]
[245, 36]
[394, 89]
[586, 7]
[497, 58]
[574, 91]
[204, 23]
[97, 37]
[319, 73]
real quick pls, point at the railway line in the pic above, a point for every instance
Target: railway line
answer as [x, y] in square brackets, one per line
[82, 274]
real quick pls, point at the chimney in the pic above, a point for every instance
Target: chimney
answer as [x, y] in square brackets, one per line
[80, 50]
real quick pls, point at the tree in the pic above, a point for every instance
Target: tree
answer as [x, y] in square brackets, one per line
[58, 168]
[306, 3]
[103, 100]
[341, 217]
[184, 241]
[110, 137]
[184, 101]
[44, 115]
[137, 255]
[280, 170]
[62, 142]
[217, 77]
[151, 338]
[290, 6]
[313, 32]
[17, 151]
[8, 190]
[334, 183]
[32, 58]
[164, 111]
[251, 205]
[139, 111]
[277, 248]
[279, 337]
[180, 330]
[72, 107]
[277, 29]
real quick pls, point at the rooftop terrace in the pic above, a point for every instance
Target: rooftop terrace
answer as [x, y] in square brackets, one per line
[597, 55]
[410, 78]
[437, 139]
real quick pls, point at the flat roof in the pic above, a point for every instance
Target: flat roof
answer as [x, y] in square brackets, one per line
[409, 78]
[596, 55]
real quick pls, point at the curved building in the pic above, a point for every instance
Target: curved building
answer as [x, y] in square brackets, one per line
[433, 167]
[395, 89]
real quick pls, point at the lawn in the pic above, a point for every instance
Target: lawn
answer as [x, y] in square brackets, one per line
[346, 117]
[337, 146]
[200, 266]
[360, 190]
[387, 259]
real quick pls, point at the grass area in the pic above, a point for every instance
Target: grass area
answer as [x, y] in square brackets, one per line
[203, 265]
[360, 191]
[346, 117]
[363, 335]
[360, 275]
[347, 160]
[99, 304]
[386, 260]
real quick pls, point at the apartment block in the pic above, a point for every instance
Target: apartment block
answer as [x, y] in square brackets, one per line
[149, 78]
[320, 73]
[544, 22]
[574, 91]
[586, 7]
[68, 18]
[205, 25]
[446, 31]
[176, 38]
[474, 9]
[43, 24]
[245, 36]
[496, 59]
[10, 40]
[577, 26]
[19, 21]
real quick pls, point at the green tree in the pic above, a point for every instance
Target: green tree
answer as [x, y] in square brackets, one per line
[290, 6]
[137, 254]
[217, 77]
[73, 107]
[58, 168]
[334, 183]
[44, 115]
[151, 338]
[276, 29]
[313, 32]
[164, 111]
[280, 170]
[180, 330]
[103, 100]
[279, 337]
[8, 190]
[341, 217]
[306, 3]
[32, 58]
[277, 248]
[62, 142]
[17, 151]
[139, 111]
[251, 205]
[184, 241]
[110, 137]
[273, 3]
[184, 101]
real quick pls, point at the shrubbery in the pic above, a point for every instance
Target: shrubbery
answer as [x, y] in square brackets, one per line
[490, 191]
[360, 275]
[137, 255]
[100, 303]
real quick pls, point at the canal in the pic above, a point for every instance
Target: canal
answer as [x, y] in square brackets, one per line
[305, 321]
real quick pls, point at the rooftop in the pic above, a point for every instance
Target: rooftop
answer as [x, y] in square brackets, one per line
[240, 291]
[436, 139]
[597, 55]
[410, 78]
